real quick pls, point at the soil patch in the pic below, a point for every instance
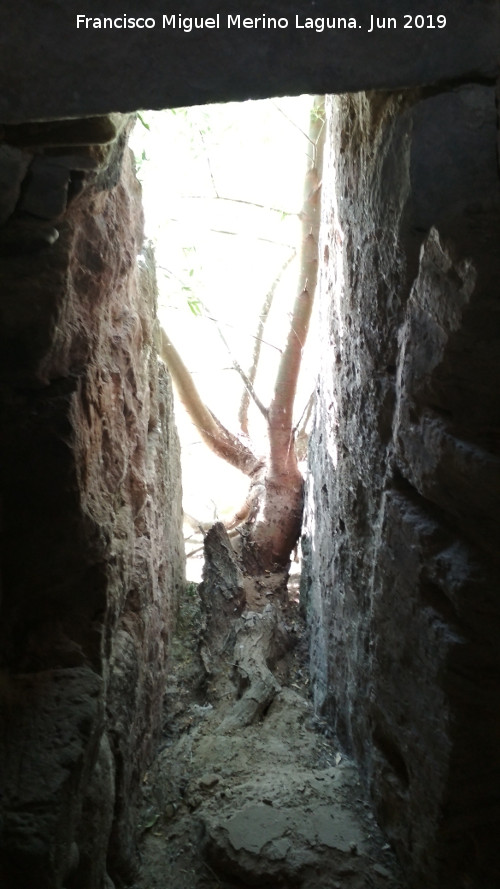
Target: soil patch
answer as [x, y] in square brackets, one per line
[248, 788]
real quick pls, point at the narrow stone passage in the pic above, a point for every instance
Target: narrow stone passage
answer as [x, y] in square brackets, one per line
[401, 573]
[249, 788]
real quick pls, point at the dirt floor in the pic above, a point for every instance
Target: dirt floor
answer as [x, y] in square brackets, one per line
[248, 788]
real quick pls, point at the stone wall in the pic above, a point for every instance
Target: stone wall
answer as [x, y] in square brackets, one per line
[402, 572]
[92, 556]
[95, 70]
[403, 501]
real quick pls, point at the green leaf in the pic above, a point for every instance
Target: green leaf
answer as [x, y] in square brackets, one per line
[141, 119]
[194, 305]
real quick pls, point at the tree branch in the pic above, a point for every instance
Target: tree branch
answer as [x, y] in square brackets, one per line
[219, 197]
[238, 234]
[214, 434]
[237, 367]
[282, 455]
[263, 316]
[249, 389]
[305, 415]
[209, 163]
[216, 320]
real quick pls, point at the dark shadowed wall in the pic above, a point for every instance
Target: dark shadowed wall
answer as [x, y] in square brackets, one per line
[402, 572]
[401, 579]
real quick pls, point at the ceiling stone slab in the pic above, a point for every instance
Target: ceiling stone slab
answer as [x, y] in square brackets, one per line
[51, 69]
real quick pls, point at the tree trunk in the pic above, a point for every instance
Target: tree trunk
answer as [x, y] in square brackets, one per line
[271, 517]
[278, 524]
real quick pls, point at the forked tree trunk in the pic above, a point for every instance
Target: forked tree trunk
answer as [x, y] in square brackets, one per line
[273, 511]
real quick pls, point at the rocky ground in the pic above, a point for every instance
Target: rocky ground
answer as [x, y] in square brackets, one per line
[248, 788]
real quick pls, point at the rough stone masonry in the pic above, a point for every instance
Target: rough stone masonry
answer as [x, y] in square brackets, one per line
[402, 508]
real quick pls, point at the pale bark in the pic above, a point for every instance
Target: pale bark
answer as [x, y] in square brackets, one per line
[252, 373]
[212, 432]
[278, 524]
[273, 510]
[282, 452]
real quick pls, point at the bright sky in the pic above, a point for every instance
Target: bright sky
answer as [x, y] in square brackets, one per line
[202, 165]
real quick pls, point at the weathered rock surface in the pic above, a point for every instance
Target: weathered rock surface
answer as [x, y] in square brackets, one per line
[91, 525]
[13, 166]
[247, 790]
[293, 825]
[160, 67]
[401, 545]
[402, 530]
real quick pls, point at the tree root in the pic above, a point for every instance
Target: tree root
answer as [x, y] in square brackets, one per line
[250, 642]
